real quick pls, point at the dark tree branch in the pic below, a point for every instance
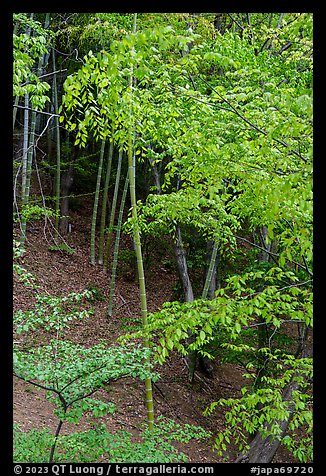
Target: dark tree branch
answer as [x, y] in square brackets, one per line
[274, 254]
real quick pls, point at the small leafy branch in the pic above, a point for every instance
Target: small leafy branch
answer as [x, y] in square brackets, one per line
[52, 313]
[275, 297]
[71, 374]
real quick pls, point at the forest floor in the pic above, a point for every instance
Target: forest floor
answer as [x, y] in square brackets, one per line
[58, 273]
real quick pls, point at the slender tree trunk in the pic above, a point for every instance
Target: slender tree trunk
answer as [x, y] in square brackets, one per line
[182, 266]
[104, 204]
[209, 293]
[26, 132]
[56, 436]
[156, 175]
[58, 150]
[210, 281]
[116, 247]
[140, 267]
[49, 144]
[27, 181]
[26, 186]
[262, 330]
[263, 235]
[112, 214]
[67, 179]
[25, 147]
[14, 115]
[95, 207]
[17, 97]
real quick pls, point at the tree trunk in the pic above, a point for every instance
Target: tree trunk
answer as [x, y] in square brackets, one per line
[140, 266]
[188, 293]
[210, 280]
[25, 146]
[112, 213]
[26, 179]
[30, 153]
[95, 206]
[264, 450]
[116, 247]
[209, 289]
[104, 205]
[263, 236]
[262, 331]
[58, 149]
[182, 266]
[67, 179]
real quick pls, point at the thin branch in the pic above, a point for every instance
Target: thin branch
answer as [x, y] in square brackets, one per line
[47, 74]
[274, 254]
[82, 375]
[283, 143]
[291, 321]
[235, 21]
[249, 24]
[40, 112]
[43, 387]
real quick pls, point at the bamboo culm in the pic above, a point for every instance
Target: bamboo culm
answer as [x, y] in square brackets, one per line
[140, 267]
[116, 247]
[112, 213]
[104, 204]
[95, 206]
[25, 147]
[210, 270]
[29, 160]
[58, 169]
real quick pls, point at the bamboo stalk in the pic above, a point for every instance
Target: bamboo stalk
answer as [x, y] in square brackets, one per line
[210, 270]
[104, 204]
[140, 267]
[58, 169]
[112, 214]
[27, 181]
[116, 247]
[95, 206]
[29, 160]
[25, 147]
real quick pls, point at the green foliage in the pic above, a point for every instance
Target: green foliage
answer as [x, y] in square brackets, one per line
[264, 409]
[20, 272]
[274, 299]
[237, 306]
[72, 371]
[92, 445]
[71, 374]
[83, 447]
[62, 247]
[97, 293]
[52, 313]
[27, 50]
[30, 212]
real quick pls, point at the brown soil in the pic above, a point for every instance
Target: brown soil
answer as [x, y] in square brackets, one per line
[59, 274]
